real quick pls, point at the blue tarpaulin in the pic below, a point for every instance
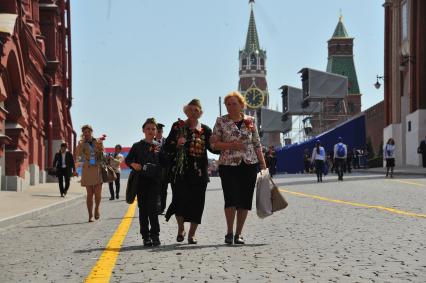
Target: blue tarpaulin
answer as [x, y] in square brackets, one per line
[290, 158]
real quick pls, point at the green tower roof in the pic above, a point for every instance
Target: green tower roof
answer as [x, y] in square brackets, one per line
[252, 41]
[340, 31]
[344, 65]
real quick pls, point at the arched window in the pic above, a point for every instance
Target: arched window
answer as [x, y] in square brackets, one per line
[253, 60]
[244, 62]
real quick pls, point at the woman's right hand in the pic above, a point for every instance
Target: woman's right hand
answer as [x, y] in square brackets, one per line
[136, 166]
[237, 145]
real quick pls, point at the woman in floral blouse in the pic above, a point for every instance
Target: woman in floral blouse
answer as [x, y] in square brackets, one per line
[187, 144]
[236, 136]
[90, 152]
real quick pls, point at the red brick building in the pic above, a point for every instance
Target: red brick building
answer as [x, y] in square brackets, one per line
[405, 77]
[35, 88]
[374, 124]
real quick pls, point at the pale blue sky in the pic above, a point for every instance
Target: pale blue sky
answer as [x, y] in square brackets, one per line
[134, 59]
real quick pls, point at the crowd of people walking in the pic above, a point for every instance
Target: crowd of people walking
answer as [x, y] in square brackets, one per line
[181, 160]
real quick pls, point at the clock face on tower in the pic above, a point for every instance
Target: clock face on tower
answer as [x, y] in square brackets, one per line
[254, 97]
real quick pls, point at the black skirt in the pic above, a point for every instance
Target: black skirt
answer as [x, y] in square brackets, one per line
[390, 162]
[187, 201]
[238, 183]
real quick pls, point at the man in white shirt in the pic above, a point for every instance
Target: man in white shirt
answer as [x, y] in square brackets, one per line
[340, 155]
[115, 160]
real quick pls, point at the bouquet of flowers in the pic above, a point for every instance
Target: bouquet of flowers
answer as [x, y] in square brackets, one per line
[181, 157]
[249, 125]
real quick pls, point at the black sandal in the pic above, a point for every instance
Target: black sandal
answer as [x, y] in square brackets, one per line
[228, 238]
[192, 241]
[180, 238]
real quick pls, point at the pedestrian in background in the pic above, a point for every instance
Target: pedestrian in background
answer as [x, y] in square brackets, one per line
[240, 156]
[349, 161]
[271, 160]
[389, 154]
[65, 168]
[307, 160]
[159, 138]
[90, 152]
[318, 158]
[115, 161]
[422, 150]
[340, 154]
[145, 158]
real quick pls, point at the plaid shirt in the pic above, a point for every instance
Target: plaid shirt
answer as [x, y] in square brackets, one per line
[226, 130]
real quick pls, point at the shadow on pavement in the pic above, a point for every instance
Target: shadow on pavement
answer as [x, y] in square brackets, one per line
[56, 225]
[47, 196]
[167, 248]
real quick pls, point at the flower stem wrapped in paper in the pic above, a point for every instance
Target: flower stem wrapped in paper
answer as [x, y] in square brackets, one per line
[181, 157]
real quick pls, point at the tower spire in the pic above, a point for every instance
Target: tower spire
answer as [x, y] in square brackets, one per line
[340, 31]
[252, 41]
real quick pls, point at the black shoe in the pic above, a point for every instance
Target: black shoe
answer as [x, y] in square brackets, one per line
[117, 196]
[65, 193]
[228, 238]
[156, 241]
[238, 240]
[62, 195]
[192, 241]
[111, 198]
[147, 242]
[180, 238]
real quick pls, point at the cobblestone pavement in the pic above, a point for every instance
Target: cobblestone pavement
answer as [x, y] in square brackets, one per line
[313, 240]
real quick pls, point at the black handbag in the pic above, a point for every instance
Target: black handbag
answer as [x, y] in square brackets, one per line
[132, 186]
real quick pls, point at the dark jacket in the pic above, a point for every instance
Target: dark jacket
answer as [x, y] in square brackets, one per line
[143, 152]
[69, 162]
[196, 168]
[271, 162]
[422, 148]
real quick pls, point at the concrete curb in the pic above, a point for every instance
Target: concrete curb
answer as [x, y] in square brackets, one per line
[16, 219]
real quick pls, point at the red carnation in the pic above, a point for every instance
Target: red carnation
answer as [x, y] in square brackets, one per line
[249, 124]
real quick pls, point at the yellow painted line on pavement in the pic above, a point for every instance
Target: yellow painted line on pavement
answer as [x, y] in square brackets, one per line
[102, 270]
[409, 183]
[378, 207]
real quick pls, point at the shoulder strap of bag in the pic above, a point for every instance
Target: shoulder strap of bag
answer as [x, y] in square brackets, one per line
[272, 181]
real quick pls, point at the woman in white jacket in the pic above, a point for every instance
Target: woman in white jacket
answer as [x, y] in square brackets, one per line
[389, 155]
[318, 157]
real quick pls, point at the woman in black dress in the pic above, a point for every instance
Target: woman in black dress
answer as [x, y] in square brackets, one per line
[187, 144]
